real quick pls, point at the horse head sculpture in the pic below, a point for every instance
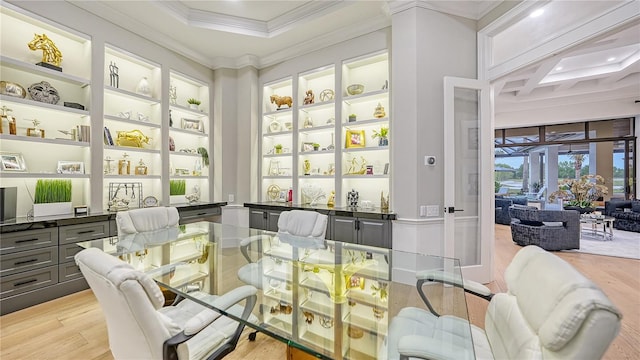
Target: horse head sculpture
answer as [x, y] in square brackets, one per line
[50, 53]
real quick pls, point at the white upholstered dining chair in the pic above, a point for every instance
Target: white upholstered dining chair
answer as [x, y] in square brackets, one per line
[138, 325]
[550, 311]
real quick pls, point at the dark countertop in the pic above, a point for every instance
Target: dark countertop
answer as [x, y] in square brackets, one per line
[337, 211]
[31, 223]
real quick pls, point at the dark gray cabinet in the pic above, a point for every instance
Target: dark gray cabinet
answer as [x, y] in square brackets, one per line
[264, 219]
[363, 231]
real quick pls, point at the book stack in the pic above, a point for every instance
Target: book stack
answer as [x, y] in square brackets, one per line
[84, 133]
[108, 140]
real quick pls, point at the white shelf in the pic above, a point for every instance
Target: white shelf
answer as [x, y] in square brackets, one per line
[132, 149]
[316, 152]
[16, 175]
[371, 148]
[177, 177]
[278, 112]
[277, 155]
[317, 106]
[130, 177]
[190, 132]
[130, 94]
[347, 176]
[286, 177]
[377, 95]
[7, 137]
[316, 177]
[358, 123]
[56, 107]
[278, 133]
[180, 153]
[315, 129]
[53, 74]
[184, 109]
[132, 122]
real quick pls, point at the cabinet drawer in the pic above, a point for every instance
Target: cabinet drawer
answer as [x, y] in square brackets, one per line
[28, 260]
[68, 271]
[27, 240]
[67, 252]
[83, 232]
[27, 281]
[188, 216]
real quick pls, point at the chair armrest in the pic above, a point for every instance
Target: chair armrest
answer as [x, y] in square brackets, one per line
[429, 348]
[224, 302]
[246, 242]
[469, 286]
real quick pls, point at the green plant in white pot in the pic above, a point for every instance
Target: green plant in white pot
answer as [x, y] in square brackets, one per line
[52, 197]
[177, 191]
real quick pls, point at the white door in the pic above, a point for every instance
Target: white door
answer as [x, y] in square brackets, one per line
[468, 182]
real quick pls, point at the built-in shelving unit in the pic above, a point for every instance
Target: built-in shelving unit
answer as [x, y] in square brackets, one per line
[47, 135]
[189, 132]
[347, 156]
[132, 123]
[123, 140]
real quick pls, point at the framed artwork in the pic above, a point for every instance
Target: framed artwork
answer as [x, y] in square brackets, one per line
[306, 146]
[12, 162]
[70, 167]
[354, 139]
[193, 124]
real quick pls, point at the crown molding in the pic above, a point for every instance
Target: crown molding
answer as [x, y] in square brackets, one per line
[243, 26]
[473, 10]
[332, 38]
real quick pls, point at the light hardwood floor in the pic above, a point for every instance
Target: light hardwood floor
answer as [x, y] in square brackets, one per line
[72, 327]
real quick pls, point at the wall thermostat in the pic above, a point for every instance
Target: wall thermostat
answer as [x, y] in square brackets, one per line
[430, 160]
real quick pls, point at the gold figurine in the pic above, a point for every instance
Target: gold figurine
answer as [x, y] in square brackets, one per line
[50, 53]
[384, 202]
[332, 199]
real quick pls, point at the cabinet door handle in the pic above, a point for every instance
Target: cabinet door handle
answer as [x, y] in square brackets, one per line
[85, 232]
[25, 262]
[25, 282]
[26, 240]
[357, 223]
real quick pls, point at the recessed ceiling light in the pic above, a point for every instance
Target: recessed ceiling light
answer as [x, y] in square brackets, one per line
[559, 68]
[536, 13]
[611, 59]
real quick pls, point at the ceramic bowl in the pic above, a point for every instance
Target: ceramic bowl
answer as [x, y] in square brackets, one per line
[355, 89]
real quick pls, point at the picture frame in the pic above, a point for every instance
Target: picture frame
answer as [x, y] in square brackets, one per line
[354, 139]
[12, 162]
[70, 167]
[306, 146]
[193, 125]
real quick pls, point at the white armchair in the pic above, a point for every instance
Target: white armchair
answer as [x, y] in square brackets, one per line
[550, 311]
[147, 219]
[139, 327]
[293, 226]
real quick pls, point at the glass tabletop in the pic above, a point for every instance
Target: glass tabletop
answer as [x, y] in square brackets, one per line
[331, 299]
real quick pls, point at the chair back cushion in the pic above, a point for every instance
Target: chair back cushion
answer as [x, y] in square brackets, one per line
[303, 223]
[147, 219]
[129, 300]
[550, 311]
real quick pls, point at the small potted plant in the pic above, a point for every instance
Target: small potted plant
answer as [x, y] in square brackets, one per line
[278, 148]
[193, 103]
[316, 146]
[382, 135]
[52, 197]
[205, 155]
[177, 190]
[352, 117]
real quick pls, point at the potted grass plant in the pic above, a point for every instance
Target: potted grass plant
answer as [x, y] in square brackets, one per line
[193, 103]
[177, 190]
[52, 197]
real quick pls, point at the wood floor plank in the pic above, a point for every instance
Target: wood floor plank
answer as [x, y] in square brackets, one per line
[73, 327]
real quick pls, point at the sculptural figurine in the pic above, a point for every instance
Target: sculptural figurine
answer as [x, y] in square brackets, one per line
[352, 198]
[50, 53]
[44, 92]
[114, 78]
[306, 167]
[332, 199]
[133, 138]
[309, 98]
[281, 100]
[379, 112]
[384, 202]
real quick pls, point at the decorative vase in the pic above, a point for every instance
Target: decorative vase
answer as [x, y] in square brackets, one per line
[193, 106]
[143, 87]
[383, 142]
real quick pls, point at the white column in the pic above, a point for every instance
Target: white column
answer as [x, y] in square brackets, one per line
[551, 169]
[534, 167]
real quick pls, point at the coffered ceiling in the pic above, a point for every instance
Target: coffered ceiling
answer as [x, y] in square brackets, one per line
[236, 33]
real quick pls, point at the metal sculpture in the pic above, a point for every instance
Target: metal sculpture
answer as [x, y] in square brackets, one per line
[50, 53]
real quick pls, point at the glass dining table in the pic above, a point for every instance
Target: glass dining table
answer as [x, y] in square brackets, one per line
[323, 298]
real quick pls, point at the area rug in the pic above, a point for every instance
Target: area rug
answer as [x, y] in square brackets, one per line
[625, 244]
